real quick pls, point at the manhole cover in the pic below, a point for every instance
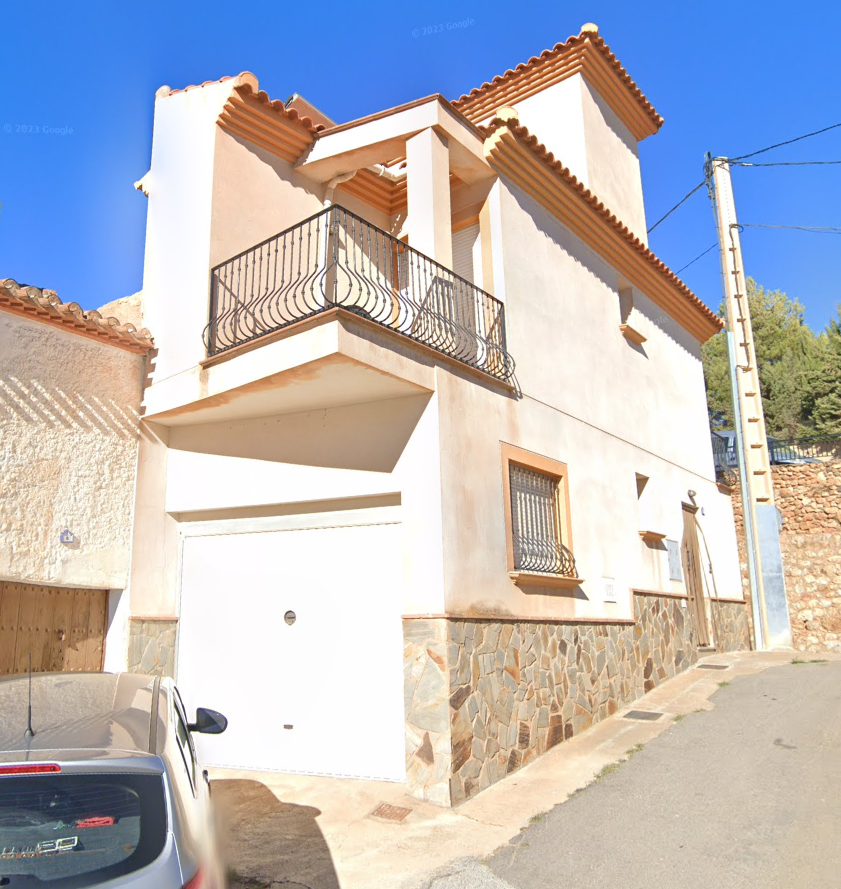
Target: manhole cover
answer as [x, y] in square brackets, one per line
[389, 812]
[713, 666]
[648, 715]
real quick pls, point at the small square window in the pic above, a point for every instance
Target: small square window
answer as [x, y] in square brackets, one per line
[537, 519]
[675, 571]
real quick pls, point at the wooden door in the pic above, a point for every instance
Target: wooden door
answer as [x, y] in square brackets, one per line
[63, 629]
[692, 569]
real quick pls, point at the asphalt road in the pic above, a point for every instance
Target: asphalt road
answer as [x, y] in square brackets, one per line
[745, 795]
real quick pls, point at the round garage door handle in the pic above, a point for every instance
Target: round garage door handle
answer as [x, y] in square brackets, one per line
[290, 617]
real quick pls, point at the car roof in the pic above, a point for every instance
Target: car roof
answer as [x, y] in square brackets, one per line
[77, 711]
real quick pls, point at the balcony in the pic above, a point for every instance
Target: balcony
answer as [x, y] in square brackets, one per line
[336, 260]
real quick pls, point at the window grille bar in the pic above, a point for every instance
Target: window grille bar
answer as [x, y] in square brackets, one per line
[535, 523]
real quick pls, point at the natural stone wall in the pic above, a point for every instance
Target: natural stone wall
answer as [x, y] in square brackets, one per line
[426, 690]
[731, 625]
[520, 688]
[813, 586]
[809, 498]
[151, 646]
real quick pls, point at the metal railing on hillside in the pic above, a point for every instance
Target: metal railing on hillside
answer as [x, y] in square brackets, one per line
[808, 449]
[725, 473]
[335, 259]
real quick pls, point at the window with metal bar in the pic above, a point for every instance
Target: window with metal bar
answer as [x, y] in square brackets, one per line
[536, 527]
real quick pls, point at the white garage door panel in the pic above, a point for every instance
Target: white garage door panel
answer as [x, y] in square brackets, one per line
[335, 675]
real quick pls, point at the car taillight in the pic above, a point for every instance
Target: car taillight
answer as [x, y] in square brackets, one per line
[40, 768]
[197, 881]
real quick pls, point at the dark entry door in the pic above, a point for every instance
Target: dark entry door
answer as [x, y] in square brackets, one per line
[63, 629]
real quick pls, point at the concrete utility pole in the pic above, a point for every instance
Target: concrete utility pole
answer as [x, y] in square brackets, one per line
[772, 628]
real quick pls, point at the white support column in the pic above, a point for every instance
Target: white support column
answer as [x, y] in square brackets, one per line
[428, 196]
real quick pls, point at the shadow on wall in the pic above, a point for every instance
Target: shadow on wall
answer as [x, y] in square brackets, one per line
[45, 404]
[368, 436]
[584, 256]
[266, 841]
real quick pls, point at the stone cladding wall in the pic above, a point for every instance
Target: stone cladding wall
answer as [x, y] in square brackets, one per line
[485, 697]
[809, 498]
[732, 625]
[426, 691]
[151, 647]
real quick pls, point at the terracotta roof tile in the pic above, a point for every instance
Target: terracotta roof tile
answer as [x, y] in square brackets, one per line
[196, 86]
[250, 89]
[44, 305]
[476, 100]
[546, 157]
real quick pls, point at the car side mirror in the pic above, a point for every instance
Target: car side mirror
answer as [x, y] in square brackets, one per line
[208, 722]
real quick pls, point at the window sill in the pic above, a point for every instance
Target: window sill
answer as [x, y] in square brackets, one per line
[530, 578]
[652, 536]
[632, 335]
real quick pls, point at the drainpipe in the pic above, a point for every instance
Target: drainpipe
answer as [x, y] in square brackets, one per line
[327, 261]
[336, 180]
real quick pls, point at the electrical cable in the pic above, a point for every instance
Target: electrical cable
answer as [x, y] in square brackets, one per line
[785, 163]
[787, 142]
[699, 256]
[682, 200]
[816, 229]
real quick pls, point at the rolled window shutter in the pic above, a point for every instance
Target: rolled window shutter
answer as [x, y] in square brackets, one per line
[464, 243]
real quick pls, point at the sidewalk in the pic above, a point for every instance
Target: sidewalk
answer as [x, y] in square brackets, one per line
[320, 833]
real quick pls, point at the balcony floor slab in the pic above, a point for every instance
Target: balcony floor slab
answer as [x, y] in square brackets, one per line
[325, 362]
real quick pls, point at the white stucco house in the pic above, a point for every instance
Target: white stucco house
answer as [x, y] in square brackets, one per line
[425, 446]
[70, 389]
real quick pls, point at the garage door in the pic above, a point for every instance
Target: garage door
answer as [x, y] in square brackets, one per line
[62, 629]
[296, 637]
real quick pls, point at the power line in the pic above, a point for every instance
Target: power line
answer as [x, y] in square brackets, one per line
[785, 163]
[818, 229]
[787, 142]
[699, 256]
[682, 200]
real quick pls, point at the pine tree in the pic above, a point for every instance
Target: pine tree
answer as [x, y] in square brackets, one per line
[786, 354]
[823, 396]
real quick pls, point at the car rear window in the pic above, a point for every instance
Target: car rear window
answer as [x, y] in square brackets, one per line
[69, 830]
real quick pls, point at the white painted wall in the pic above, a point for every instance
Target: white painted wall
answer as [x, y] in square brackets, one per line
[68, 454]
[589, 399]
[116, 636]
[613, 161]
[303, 462]
[178, 224]
[575, 123]
[556, 117]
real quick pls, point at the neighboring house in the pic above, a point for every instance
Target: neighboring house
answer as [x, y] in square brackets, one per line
[424, 471]
[70, 387]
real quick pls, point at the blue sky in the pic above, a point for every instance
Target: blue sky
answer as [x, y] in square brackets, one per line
[70, 219]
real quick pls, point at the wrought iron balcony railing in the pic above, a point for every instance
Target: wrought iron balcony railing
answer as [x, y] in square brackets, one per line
[724, 466]
[335, 259]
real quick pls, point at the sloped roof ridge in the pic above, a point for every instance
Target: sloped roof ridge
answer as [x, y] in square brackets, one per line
[247, 86]
[46, 306]
[198, 86]
[546, 156]
[250, 89]
[572, 42]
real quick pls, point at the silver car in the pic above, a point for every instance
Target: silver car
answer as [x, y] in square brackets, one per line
[100, 785]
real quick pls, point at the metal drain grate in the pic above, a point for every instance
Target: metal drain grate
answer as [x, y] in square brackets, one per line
[389, 812]
[713, 666]
[646, 715]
